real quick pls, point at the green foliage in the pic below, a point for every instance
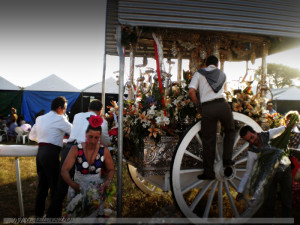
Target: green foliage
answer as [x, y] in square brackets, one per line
[279, 75]
[282, 140]
[266, 164]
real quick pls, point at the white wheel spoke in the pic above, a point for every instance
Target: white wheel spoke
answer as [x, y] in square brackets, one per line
[220, 199]
[192, 155]
[197, 136]
[191, 171]
[232, 185]
[236, 139]
[242, 160]
[241, 149]
[236, 213]
[200, 195]
[209, 200]
[238, 178]
[240, 169]
[191, 186]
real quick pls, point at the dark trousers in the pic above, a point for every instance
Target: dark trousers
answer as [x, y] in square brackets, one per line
[284, 179]
[212, 112]
[47, 164]
[55, 208]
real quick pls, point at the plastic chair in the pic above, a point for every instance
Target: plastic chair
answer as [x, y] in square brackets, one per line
[22, 135]
[3, 135]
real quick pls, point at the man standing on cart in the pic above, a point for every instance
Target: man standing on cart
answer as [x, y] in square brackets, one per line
[213, 108]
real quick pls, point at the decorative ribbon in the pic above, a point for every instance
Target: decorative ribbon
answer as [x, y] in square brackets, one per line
[156, 43]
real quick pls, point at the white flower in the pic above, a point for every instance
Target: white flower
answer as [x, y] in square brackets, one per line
[151, 111]
[166, 120]
[175, 102]
[158, 120]
[285, 161]
[145, 125]
[74, 202]
[180, 97]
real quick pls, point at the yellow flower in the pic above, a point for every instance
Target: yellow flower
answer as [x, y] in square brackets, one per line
[249, 106]
[237, 107]
[143, 117]
[153, 131]
[127, 131]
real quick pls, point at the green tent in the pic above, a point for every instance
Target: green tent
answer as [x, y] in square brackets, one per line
[10, 96]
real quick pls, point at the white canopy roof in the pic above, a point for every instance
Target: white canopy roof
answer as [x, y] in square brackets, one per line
[7, 85]
[52, 83]
[111, 87]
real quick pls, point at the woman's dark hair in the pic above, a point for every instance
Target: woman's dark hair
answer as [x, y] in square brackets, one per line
[244, 130]
[93, 128]
[58, 102]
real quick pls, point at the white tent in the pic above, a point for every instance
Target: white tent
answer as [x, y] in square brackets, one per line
[7, 85]
[290, 94]
[276, 92]
[52, 83]
[111, 87]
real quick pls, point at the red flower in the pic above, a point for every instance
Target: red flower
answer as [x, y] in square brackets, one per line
[84, 171]
[95, 121]
[113, 131]
[80, 152]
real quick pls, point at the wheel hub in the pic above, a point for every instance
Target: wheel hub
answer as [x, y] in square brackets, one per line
[222, 173]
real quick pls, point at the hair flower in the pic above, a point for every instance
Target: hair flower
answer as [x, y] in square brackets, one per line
[95, 121]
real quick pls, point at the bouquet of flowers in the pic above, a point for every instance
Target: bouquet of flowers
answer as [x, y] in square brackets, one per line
[245, 102]
[148, 116]
[83, 205]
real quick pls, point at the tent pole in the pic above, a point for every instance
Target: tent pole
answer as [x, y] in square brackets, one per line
[104, 66]
[120, 121]
[103, 83]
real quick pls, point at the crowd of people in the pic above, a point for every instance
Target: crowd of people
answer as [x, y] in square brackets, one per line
[86, 164]
[14, 126]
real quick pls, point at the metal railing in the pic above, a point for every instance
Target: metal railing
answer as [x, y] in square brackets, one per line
[18, 151]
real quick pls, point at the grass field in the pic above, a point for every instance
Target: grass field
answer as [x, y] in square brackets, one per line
[135, 202]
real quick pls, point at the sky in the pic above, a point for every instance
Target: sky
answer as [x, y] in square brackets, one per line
[66, 38]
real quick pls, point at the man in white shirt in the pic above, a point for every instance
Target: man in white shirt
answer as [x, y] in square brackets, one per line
[80, 124]
[257, 143]
[213, 108]
[49, 131]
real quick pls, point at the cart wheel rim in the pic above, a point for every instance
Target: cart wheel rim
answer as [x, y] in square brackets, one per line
[141, 183]
[211, 198]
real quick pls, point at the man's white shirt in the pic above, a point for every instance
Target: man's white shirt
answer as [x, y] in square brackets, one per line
[200, 83]
[50, 128]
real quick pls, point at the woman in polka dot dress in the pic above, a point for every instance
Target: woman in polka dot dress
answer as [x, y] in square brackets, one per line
[86, 192]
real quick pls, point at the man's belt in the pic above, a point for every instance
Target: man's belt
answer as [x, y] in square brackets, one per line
[214, 101]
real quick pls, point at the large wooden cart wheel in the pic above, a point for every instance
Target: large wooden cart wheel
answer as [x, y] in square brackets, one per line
[204, 199]
[141, 183]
